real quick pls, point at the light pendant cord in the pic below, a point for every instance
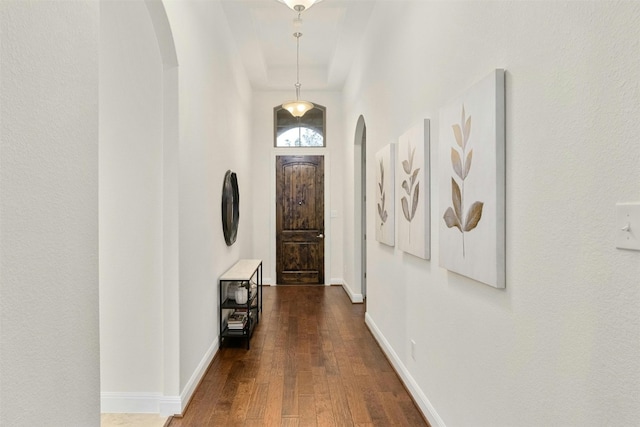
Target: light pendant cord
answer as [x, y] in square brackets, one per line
[297, 35]
[297, 108]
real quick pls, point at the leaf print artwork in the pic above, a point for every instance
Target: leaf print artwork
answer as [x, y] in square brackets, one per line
[461, 162]
[382, 211]
[471, 186]
[384, 218]
[411, 186]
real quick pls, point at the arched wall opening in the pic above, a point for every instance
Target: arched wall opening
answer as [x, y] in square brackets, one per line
[138, 202]
[360, 212]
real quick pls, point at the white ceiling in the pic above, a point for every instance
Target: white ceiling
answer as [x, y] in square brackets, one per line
[263, 32]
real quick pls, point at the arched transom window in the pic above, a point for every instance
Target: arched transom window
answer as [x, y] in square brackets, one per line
[305, 131]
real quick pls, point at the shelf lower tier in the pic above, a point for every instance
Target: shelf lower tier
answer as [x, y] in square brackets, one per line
[245, 333]
[238, 333]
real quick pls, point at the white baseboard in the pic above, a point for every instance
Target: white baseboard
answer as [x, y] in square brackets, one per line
[416, 392]
[336, 281]
[139, 403]
[197, 375]
[156, 403]
[170, 405]
[268, 282]
[355, 298]
[129, 403]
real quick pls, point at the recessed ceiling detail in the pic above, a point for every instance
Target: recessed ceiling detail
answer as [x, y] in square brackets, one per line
[262, 29]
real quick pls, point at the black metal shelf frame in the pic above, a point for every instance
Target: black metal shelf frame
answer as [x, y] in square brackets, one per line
[242, 272]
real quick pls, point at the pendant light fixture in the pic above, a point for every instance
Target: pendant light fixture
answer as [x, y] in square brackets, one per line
[300, 5]
[298, 107]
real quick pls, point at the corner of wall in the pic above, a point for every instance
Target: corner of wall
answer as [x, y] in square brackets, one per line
[354, 297]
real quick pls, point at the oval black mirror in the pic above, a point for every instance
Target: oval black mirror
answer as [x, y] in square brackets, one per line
[230, 207]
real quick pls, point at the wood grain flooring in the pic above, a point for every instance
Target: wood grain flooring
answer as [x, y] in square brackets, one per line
[312, 362]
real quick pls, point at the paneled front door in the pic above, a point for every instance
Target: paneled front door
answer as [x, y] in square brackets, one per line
[299, 220]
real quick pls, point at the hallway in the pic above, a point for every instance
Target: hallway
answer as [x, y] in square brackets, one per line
[312, 362]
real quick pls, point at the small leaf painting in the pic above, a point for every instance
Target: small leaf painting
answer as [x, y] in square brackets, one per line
[413, 191]
[382, 212]
[454, 217]
[409, 210]
[385, 231]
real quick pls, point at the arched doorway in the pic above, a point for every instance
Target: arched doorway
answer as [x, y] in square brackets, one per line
[138, 220]
[360, 211]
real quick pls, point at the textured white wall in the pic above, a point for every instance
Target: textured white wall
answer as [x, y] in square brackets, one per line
[263, 178]
[215, 125]
[131, 196]
[49, 343]
[560, 345]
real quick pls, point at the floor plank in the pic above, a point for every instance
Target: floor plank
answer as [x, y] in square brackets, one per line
[312, 362]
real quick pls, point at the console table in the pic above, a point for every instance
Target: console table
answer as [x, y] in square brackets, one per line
[246, 273]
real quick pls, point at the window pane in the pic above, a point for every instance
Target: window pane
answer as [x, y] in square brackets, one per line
[305, 131]
[300, 137]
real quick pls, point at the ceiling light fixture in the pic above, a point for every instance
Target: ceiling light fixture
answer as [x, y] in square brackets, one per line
[297, 108]
[300, 5]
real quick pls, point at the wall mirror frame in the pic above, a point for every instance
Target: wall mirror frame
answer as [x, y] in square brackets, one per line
[230, 207]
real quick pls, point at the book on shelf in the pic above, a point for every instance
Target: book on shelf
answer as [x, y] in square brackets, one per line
[236, 324]
[237, 320]
[237, 317]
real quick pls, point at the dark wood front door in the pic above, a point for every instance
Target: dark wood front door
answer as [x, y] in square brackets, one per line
[300, 220]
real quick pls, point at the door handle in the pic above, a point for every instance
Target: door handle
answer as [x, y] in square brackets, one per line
[320, 236]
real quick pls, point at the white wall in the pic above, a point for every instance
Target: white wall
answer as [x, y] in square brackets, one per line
[559, 345]
[263, 179]
[214, 132]
[162, 165]
[131, 216]
[49, 344]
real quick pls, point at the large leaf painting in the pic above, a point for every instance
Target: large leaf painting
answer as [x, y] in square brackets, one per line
[471, 183]
[455, 217]
[413, 191]
[385, 227]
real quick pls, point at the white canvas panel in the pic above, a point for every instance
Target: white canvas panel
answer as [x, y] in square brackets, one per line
[471, 183]
[413, 191]
[385, 211]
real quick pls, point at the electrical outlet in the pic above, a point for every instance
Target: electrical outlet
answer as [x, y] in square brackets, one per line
[413, 349]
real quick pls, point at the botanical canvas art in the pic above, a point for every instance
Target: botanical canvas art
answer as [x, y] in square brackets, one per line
[413, 191]
[385, 218]
[471, 183]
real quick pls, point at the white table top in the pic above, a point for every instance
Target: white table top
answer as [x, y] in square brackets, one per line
[242, 270]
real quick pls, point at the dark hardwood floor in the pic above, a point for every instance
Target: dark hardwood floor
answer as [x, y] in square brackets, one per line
[312, 362]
